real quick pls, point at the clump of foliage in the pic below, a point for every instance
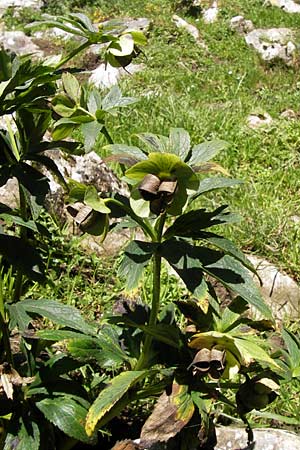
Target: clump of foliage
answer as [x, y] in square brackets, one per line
[55, 399]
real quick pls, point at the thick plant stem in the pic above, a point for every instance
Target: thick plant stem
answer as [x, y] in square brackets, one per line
[72, 54]
[156, 281]
[23, 235]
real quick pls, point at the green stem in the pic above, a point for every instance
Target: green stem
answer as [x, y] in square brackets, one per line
[143, 223]
[107, 135]
[72, 54]
[23, 235]
[156, 284]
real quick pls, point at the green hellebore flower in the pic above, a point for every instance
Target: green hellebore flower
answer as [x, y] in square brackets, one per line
[168, 189]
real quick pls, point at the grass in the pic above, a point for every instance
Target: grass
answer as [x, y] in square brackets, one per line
[211, 93]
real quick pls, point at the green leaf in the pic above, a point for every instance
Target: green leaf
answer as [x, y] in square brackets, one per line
[179, 142]
[154, 143]
[191, 261]
[168, 334]
[212, 183]
[139, 38]
[63, 128]
[18, 316]
[59, 313]
[136, 257]
[66, 414]
[58, 335]
[12, 218]
[292, 347]
[14, 249]
[92, 200]
[23, 434]
[192, 223]
[90, 131]
[277, 417]
[114, 99]
[251, 350]
[206, 151]
[119, 149]
[108, 398]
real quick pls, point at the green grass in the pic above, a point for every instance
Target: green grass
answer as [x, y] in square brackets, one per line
[211, 93]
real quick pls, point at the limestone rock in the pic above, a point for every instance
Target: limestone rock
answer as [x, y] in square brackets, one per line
[279, 290]
[17, 42]
[4, 4]
[9, 193]
[210, 14]
[289, 114]
[265, 439]
[288, 6]
[259, 120]
[106, 76]
[241, 25]
[273, 43]
[191, 29]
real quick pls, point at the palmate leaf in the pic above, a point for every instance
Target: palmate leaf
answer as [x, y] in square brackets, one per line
[108, 399]
[128, 150]
[191, 261]
[114, 99]
[136, 257]
[90, 131]
[68, 415]
[192, 223]
[153, 142]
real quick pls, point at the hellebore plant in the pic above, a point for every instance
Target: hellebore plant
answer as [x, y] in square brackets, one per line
[53, 400]
[164, 180]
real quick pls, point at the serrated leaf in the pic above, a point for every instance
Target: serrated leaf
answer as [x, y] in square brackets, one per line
[292, 347]
[191, 261]
[136, 257]
[205, 151]
[108, 398]
[12, 218]
[66, 414]
[192, 223]
[59, 313]
[18, 316]
[212, 183]
[119, 149]
[179, 142]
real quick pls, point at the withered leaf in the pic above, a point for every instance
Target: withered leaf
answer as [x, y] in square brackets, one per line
[171, 413]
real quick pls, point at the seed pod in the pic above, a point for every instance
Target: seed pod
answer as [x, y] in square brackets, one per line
[149, 187]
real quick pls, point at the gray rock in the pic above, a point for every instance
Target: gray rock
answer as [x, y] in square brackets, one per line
[191, 29]
[241, 25]
[9, 193]
[17, 42]
[106, 76]
[259, 120]
[289, 114]
[4, 4]
[265, 439]
[279, 290]
[273, 43]
[288, 6]
[210, 15]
